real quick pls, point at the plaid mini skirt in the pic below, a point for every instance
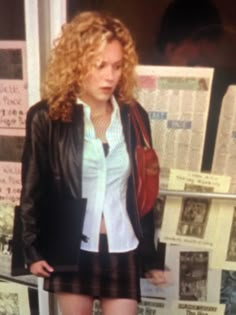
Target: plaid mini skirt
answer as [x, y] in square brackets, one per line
[101, 275]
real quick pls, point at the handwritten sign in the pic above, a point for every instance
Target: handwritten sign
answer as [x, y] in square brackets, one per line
[10, 182]
[13, 104]
[13, 88]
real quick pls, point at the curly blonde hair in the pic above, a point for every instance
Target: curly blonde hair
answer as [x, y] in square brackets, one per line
[72, 56]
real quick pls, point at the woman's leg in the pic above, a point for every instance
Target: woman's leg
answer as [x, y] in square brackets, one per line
[118, 306]
[75, 304]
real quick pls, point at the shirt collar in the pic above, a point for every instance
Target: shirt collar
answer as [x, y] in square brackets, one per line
[87, 109]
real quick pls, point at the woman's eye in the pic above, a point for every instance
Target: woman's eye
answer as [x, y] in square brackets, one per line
[100, 66]
[117, 67]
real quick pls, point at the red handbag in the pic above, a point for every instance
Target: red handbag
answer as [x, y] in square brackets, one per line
[147, 168]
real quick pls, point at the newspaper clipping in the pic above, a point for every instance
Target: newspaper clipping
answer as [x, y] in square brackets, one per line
[153, 307]
[198, 181]
[14, 299]
[177, 100]
[192, 280]
[192, 221]
[193, 276]
[162, 291]
[224, 160]
[227, 293]
[146, 307]
[196, 308]
[224, 251]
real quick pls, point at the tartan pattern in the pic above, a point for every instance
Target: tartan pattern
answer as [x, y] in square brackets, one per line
[102, 274]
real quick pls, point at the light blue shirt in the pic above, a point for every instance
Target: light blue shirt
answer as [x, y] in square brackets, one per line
[104, 185]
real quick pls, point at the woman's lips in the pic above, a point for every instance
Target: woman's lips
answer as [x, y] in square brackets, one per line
[106, 89]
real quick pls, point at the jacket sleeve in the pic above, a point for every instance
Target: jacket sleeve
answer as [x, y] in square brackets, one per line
[149, 254]
[34, 164]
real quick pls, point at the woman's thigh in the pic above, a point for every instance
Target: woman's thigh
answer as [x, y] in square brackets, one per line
[75, 304]
[118, 306]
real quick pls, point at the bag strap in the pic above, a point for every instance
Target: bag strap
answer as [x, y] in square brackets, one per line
[137, 132]
[139, 127]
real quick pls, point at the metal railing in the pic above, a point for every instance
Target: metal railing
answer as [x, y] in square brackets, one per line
[195, 194]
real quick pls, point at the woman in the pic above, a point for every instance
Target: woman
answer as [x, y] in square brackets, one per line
[82, 232]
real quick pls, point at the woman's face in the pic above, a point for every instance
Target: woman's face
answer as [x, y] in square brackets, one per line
[102, 79]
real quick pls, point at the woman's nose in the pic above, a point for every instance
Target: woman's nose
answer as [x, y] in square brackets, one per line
[109, 75]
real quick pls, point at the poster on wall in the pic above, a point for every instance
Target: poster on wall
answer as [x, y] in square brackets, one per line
[177, 101]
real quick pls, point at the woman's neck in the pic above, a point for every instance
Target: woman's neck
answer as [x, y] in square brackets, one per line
[97, 107]
[100, 108]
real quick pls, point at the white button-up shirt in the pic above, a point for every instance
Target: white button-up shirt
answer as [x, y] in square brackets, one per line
[104, 185]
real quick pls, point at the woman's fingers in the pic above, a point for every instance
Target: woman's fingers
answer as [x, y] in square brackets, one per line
[41, 269]
[158, 277]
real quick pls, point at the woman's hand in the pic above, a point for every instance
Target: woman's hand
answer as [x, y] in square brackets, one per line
[158, 277]
[41, 269]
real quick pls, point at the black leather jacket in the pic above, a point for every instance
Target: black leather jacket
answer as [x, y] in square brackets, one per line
[52, 209]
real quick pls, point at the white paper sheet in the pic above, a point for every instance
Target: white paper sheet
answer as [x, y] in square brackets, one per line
[177, 100]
